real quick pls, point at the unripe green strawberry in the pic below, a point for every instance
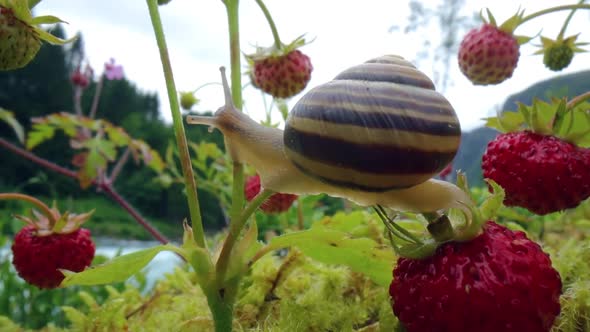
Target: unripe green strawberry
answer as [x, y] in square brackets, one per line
[558, 53]
[20, 34]
[19, 42]
[558, 57]
[188, 100]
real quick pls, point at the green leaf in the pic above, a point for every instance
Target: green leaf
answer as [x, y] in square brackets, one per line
[51, 39]
[39, 133]
[117, 135]
[9, 119]
[118, 269]
[491, 205]
[361, 255]
[47, 19]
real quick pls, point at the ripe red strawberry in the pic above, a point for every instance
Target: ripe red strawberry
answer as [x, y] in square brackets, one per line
[79, 79]
[38, 258]
[539, 172]
[282, 76]
[488, 55]
[498, 281]
[19, 42]
[276, 203]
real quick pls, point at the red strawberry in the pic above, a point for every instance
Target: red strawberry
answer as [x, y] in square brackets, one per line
[79, 79]
[276, 203]
[38, 258]
[488, 55]
[498, 281]
[51, 241]
[282, 76]
[539, 172]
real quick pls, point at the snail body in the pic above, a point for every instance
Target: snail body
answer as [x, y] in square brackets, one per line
[376, 134]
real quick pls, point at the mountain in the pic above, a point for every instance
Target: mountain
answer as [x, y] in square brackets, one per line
[474, 142]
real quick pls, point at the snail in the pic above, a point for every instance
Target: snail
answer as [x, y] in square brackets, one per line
[376, 134]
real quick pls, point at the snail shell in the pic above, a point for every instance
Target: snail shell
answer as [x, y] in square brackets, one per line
[377, 126]
[376, 134]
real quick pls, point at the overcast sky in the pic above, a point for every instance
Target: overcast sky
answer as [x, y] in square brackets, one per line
[346, 33]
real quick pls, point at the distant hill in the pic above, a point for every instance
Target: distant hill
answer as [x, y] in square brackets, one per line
[474, 142]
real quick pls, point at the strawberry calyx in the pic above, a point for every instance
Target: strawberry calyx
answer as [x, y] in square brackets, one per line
[509, 25]
[410, 239]
[274, 51]
[49, 221]
[21, 11]
[567, 120]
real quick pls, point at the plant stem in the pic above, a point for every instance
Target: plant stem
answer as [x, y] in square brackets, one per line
[221, 310]
[71, 174]
[204, 85]
[551, 10]
[271, 23]
[234, 231]
[42, 206]
[567, 22]
[578, 100]
[112, 192]
[96, 98]
[189, 179]
[119, 165]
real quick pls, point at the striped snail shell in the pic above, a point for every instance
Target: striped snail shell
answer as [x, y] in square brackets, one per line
[376, 135]
[377, 126]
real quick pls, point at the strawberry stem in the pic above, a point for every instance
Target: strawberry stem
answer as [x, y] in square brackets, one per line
[551, 10]
[271, 23]
[189, 179]
[567, 22]
[204, 85]
[42, 206]
[578, 100]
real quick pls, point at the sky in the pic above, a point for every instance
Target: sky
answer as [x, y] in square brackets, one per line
[344, 33]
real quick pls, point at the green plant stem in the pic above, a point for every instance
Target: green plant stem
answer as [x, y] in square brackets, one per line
[552, 10]
[567, 22]
[189, 179]
[578, 100]
[271, 23]
[42, 206]
[221, 310]
[204, 85]
[234, 232]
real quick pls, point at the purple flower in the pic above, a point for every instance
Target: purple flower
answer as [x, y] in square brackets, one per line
[112, 71]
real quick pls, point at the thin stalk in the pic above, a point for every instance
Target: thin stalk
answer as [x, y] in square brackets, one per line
[567, 22]
[399, 228]
[42, 206]
[187, 170]
[235, 228]
[552, 10]
[96, 98]
[112, 192]
[78, 100]
[232, 7]
[578, 100]
[119, 166]
[204, 85]
[271, 23]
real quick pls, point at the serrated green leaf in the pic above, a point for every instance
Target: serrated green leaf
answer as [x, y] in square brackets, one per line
[38, 134]
[542, 115]
[361, 255]
[9, 119]
[118, 269]
[117, 135]
[106, 149]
